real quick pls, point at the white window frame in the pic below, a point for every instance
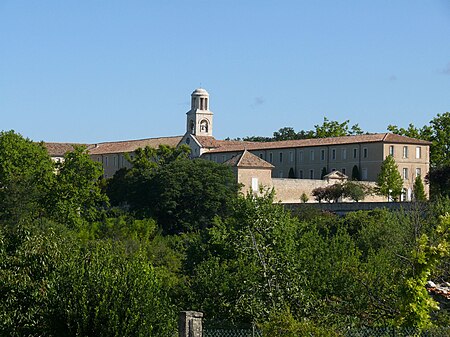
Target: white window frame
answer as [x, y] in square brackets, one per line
[255, 185]
[391, 150]
[418, 172]
[405, 173]
[418, 152]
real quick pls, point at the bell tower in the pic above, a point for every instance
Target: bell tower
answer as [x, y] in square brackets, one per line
[199, 121]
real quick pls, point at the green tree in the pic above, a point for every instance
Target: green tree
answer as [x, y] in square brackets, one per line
[335, 129]
[76, 194]
[29, 255]
[411, 131]
[286, 133]
[326, 129]
[416, 303]
[354, 190]
[439, 180]
[323, 173]
[440, 138]
[26, 175]
[419, 190]
[249, 269]
[187, 194]
[355, 173]
[437, 132]
[128, 186]
[100, 289]
[389, 181]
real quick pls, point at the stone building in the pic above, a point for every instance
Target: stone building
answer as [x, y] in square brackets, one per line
[294, 165]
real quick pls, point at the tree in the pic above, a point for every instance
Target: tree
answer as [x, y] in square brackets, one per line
[437, 132]
[286, 133]
[304, 198]
[186, 195]
[354, 190]
[416, 303]
[419, 190]
[389, 181]
[76, 194]
[291, 174]
[26, 175]
[335, 129]
[249, 270]
[128, 186]
[319, 193]
[439, 180]
[324, 172]
[355, 173]
[440, 138]
[326, 129]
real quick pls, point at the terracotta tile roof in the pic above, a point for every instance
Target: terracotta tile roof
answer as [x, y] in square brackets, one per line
[210, 142]
[131, 145]
[226, 146]
[59, 149]
[247, 159]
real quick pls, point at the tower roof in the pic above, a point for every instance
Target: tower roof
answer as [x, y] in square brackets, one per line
[199, 92]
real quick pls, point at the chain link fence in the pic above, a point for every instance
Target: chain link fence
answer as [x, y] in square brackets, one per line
[364, 332]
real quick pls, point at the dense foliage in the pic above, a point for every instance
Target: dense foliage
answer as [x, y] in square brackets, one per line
[73, 265]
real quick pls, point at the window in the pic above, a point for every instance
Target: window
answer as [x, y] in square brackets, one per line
[322, 154]
[344, 154]
[343, 170]
[270, 157]
[391, 150]
[204, 126]
[355, 153]
[333, 169]
[300, 156]
[255, 184]
[333, 154]
[114, 161]
[281, 157]
[312, 155]
[291, 156]
[418, 152]
[405, 152]
[418, 172]
[311, 174]
[214, 158]
[261, 155]
[365, 152]
[300, 174]
[223, 158]
[106, 161]
[405, 173]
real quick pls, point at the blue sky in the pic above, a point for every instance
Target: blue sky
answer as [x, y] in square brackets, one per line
[97, 70]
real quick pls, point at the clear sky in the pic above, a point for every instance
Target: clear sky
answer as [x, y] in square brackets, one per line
[103, 70]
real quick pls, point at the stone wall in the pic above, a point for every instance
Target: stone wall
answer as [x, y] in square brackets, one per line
[290, 190]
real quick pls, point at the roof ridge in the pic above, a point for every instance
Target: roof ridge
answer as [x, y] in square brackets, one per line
[242, 156]
[134, 140]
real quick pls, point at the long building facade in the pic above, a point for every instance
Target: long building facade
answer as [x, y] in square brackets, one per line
[297, 162]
